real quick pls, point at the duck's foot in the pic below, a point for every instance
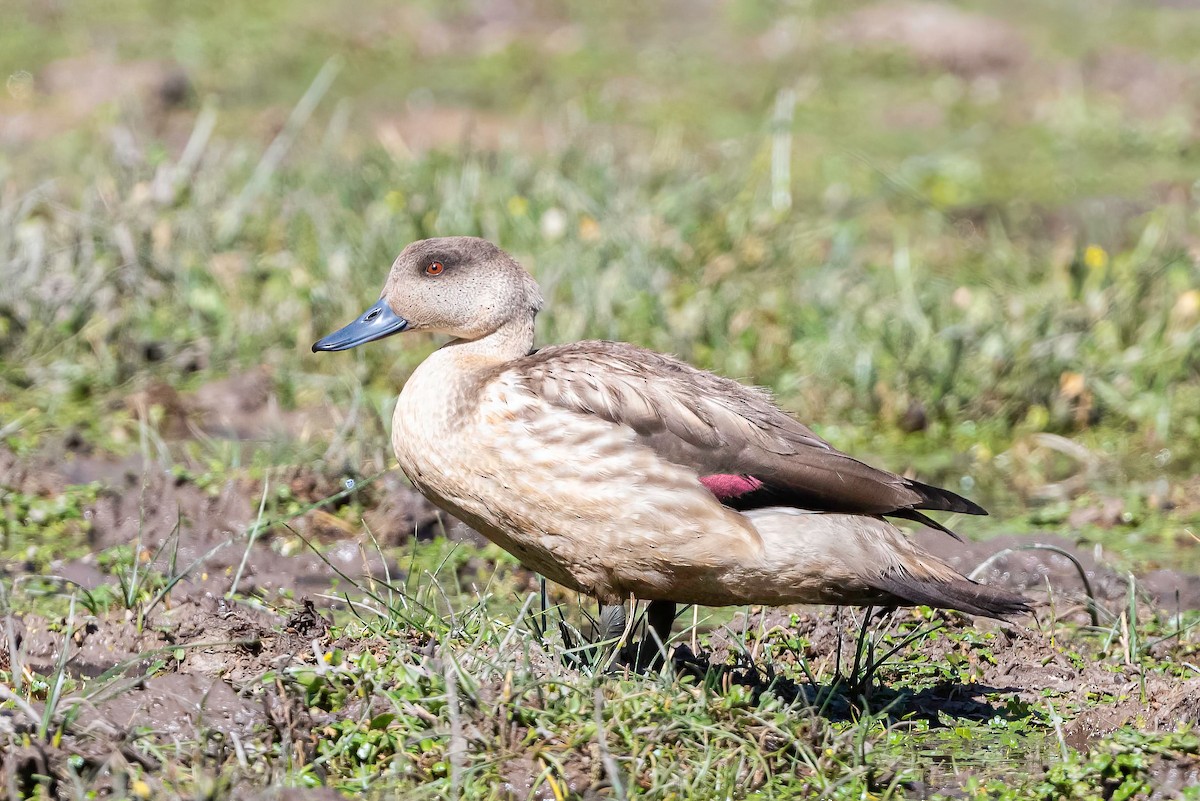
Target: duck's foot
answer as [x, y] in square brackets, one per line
[610, 625]
[651, 651]
[645, 654]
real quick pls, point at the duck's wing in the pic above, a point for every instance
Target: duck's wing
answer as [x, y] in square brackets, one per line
[745, 449]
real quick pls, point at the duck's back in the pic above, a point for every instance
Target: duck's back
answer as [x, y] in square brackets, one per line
[721, 429]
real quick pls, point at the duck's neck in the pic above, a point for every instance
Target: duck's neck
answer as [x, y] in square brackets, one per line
[441, 394]
[511, 341]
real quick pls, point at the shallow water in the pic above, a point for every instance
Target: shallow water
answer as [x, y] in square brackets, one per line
[944, 759]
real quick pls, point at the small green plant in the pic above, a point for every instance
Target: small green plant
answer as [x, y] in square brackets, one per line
[1118, 767]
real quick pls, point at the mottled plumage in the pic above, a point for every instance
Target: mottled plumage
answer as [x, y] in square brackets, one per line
[617, 471]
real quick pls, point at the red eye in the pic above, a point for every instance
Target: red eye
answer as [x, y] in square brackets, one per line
[435, 268]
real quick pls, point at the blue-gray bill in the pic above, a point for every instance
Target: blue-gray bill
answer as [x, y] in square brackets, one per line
[377, 322]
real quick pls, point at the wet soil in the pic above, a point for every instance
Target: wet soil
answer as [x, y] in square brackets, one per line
[1044, 564]
[1020, 661]
[1022, 665]
[192, 674]
[205, 530]
[196, 674]
[193, 670]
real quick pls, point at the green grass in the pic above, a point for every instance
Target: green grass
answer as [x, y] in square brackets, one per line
[851, 320]
[427, 688]
[1000, 297]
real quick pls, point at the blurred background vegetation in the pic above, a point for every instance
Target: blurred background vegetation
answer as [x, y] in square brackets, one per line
[960, 239]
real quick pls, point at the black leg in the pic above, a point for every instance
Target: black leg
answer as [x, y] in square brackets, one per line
[661, 617]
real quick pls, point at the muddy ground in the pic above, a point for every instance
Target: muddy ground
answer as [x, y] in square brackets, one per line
[206, 659]
[192, 667]
[205, 656]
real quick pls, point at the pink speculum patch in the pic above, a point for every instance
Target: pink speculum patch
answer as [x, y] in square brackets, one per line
[726, 487]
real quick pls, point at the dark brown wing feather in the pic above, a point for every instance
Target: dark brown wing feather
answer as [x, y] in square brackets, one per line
[715, 425]
[961, 594]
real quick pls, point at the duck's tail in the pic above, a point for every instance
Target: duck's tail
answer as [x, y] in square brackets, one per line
[914, 576]
[959, 593]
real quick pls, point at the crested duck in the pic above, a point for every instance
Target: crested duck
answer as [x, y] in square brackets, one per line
[619, 472]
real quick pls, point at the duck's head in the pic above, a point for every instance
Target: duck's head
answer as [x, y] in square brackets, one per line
[461, 286]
